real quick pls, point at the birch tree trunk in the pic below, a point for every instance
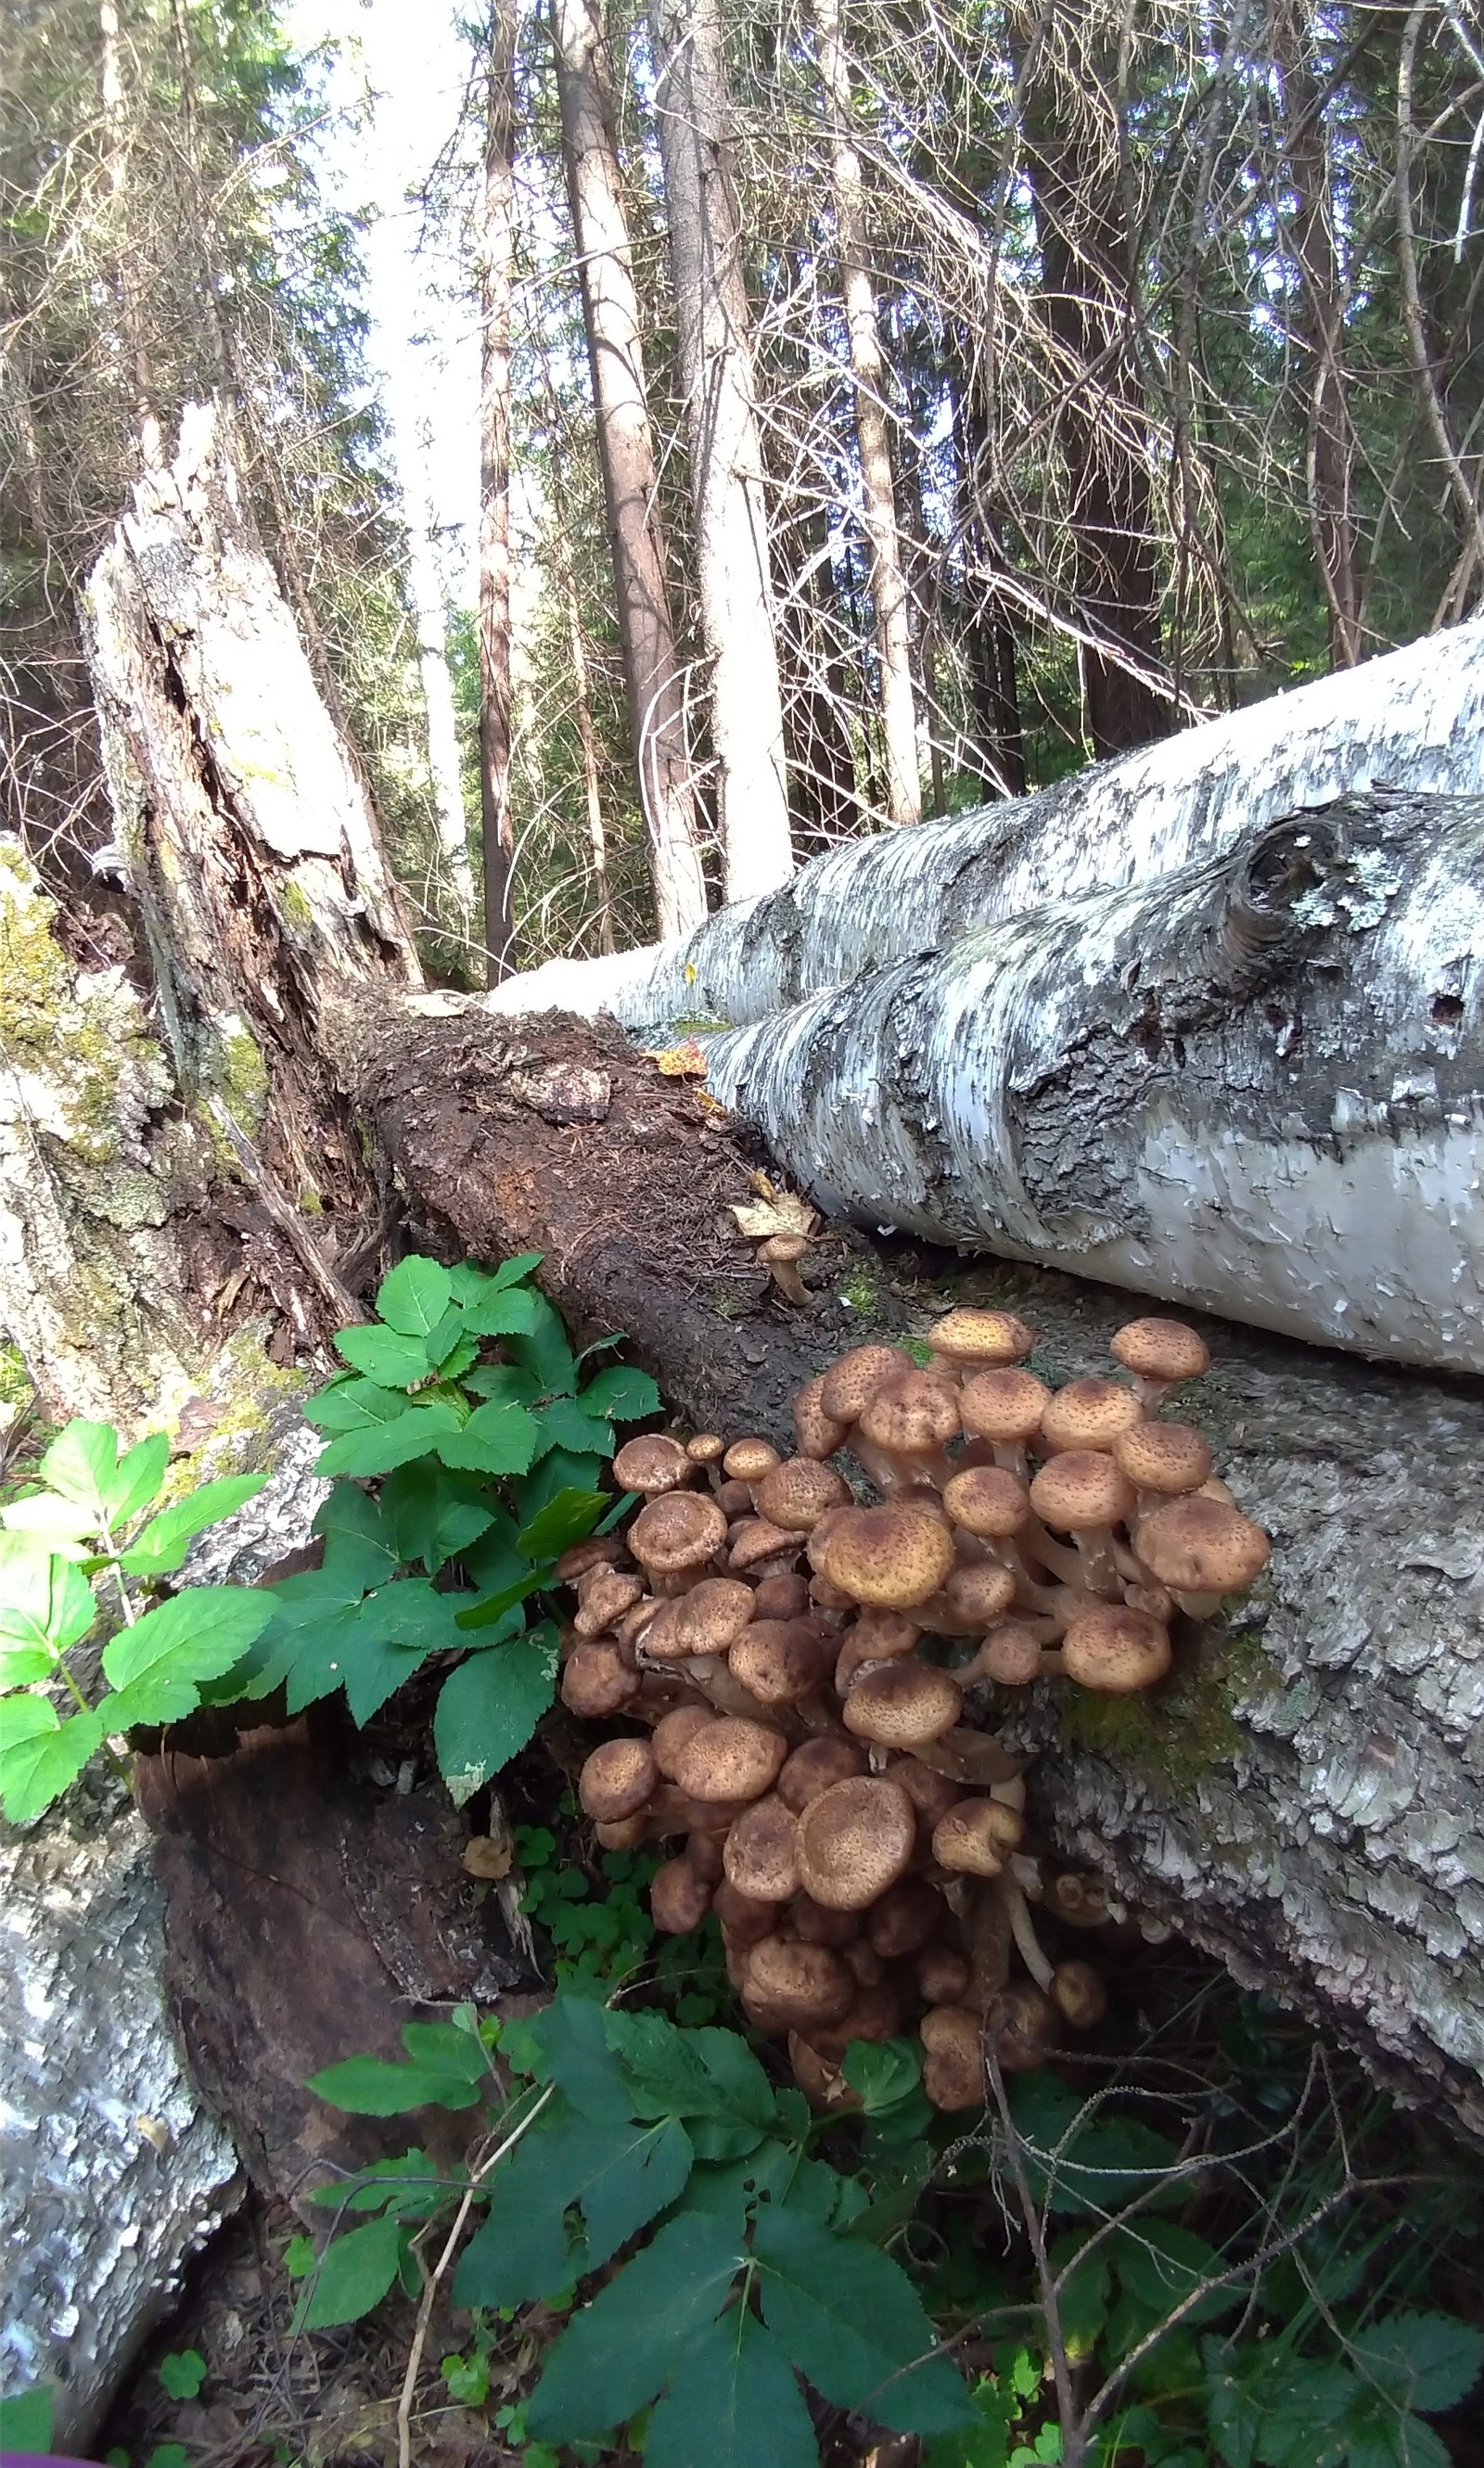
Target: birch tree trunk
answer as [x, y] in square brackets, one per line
[879, 505]
[496, 265]
[726, 452]
[445, 769]
[626, 450]
[1414, 719]
[133, 350]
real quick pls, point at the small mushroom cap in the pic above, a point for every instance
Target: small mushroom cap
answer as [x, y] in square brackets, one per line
[603, 1596]
[1078, 1995]
[849, 1382]
[780, 1598]
[678, 1898]
[596, 1681]
[942, 1977]
[902, 1704]
[625, 1834]
[1081, 1901]
[817, 1433]
[896, 1555]
[712, 1616]
[881, 1634]
[652, 1463]
[731, 1759]
[810, 1921]
[948, 2026]
[818, 1764]
[1201, 1546]
[1003, 1405]
[932, 1795]
[911, 1414]
[672, 1731]
[980, 1592]
[595, 1551]
[1080, 1489]
[744, 1917]
[707, 1448]
[733, 1500]
[977, 1339]
[855, 1841]
[1089, 1414]
[988, 1500]
[1011, 1655]
[678, 1529]
[1116, 1651]
[760, 1853]
[1163, 1457]
[785, 1248]
[977, 1836]
[876, 2015]
[781, 1661]
[804, 1983]
[749, 1460]
[617, 1779]
[796, 1493]
[757, 1540]
[865, 1963]
[823, 2085]
[1023, 2022]
[953, 2070]
[1160, 1349]
[905, 1918]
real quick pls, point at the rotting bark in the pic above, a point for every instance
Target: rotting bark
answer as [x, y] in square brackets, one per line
[1413, 720]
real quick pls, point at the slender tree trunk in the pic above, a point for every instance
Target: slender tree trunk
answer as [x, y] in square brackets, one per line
[456, 882]
[115, 118]
[581, 691]
[1065, 83]
[497, 260]
[879, 507]
[726, 451]
[626, 450]
[988, 631]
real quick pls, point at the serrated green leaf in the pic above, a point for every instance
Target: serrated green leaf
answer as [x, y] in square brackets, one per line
[385, 2086]
[568, 1518]
[733, 2403]
[443, 2044]
[39, 1761]
[543, 1348]
[987, 2446]
[444, 1339]
[25, 1717]
[353, 1405]
[497, 1439]
[1079, 2162]
[884, 2072]
[620, 2350]
[852, 2323]
[385, 1356]
[46, 1604]
[1422, 2361]
[1381, 2438]
[414, 1298]
[562, 1425]
[509, 1312]
[1160, 2265]
[379, 1448]
[620, 1395]
[627, 2176]
[488, 1708]
[161, 1547]
[82, 1463]
[354, 2273]
[1234, 2376]
[157, 1663]
[434, 1515]
[359, 1549]
[1302, 2406]
[574, 2044]
[504, 1384]
[495, 1560]
[140, 1474]
[51, 1523]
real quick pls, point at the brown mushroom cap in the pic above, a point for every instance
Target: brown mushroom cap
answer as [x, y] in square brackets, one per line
[733, 1500]
[1088, 1414]
[672, 1731]
[596, 1681]
[855, 1841]
[817, 1433]
[896, 1555]
[976, 1837]
[848, 1383]
[711, 1617]
[932, 1795]
[865, 1963]
[975, 1338]
[876, 2015]
[810, 1921]
[903, 1705]
[1081, 1488]
[757, 1540]
[943, 1975]
[594, 1551]
[676, 1530]
[980, 1592]
[707, 1448]
[731, 1759]
[781, 1661]
[803, 1983]
[1160, 1349]
[784, 1597]
[911, 1414]
[760, 1853]
[1079, 1994]
[822, 2083]
[1081, 1901]
[904, 1918]
[1011, 1655]
[988, 1500]
[787, 1248]
[1116, 1651]
[1023, 2024]
[744, 1918]
[1003, 1405]
[603, 1596]
[652, 1463]
[748, 1460]
[1163, 1457]
[1201, 1546]
[617, 1779]
[881, 1634]
[815, 1766]
[797, 1493]
[954, 2074]
[704, 1854]
[625, 1834]
[679, 1898]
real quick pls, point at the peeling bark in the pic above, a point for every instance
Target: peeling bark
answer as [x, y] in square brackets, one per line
[1414, 720]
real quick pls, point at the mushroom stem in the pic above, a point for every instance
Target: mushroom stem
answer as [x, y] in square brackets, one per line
[1022, 1930]
[1097, 1550]
[1061, 1559]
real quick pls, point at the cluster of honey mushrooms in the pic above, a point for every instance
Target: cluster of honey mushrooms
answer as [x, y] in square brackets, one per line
[856, 1832]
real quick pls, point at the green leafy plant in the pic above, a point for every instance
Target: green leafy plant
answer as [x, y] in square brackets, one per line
[183, 2373]
[747, 2259]
[86, 1521]
[601, 1931]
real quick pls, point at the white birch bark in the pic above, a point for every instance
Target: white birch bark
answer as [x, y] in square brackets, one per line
[1255, 1086]
[1414, 719]
[726, 452]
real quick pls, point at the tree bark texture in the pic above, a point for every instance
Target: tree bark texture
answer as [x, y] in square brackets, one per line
[1305, 1797]
[714, 324]
[877, 490]
[1414, 720]
[497, 275]
[454, 892]
[625, 451]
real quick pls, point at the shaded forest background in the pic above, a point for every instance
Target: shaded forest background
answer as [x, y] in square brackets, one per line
[1110, 364]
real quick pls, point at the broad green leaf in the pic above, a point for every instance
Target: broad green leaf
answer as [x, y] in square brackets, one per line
[81, 1463]
[26, 2420]
[140, 1474]
[161, 1547]
[469, 1283]
[20, 1665]
[619, 2351]
[488, 1708]
[543, 1349]
[37, 1766]
[447, 1339]
[370, 1648]
[566, 1520]
[497, 1560]
[57, 1525]
[460, 2053]
[1082, 2162]
[360, 1551]
[384, 2087]
[25, 1718]
[852, 2323]
[882, 2072]
[525, 2251]
[1377, 2436]
[495, 1609]
[1082, 2303]
[392, 1361]
[1234, 2379]
[627, 2176]
[1422, 2361]
[1302, 2407]
[504, 1384]
[156, 1664]
[410, 2187]
[562, 1426]
[1160, 2265]
[733, 2403]
[381, 1447]
[355, 2272]
[574, 2042]
[620, 1395]
[434, 1515]
[46, 1604]
[414, 1298]
[987, 2446]
[507, 1312]
[558, 1471]
[497, 1439]
[353, 1405]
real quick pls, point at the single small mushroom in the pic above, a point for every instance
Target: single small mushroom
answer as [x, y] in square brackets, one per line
[848, 1383]
[711, 1617]
[1085, 1493]
[654, 1464]
[817, 1433]
[1081, 1901]
[617, 1779]
[1012, 1656]
[932, 1795]
[1001, 1413]
[823, 2085]
[988, 1501]
[603, 1596]
[903, 1705]
[905, 1918]
[895, 1555]
[732, 1759]
[780, 1255]
[1087, 1414]
[967, 1341]
[954, 2069]
[796, 1493]
[785, 1597]
[595, 1551]
[1116, 1651]
[817, 1766]
[744, 1918]
[673, 1535]
[901, 1434]
[1201, 1550]
[1162, 1460]
[942, 1977]
[706, 1448]
[976, 1837]
[806, 1984]
[762, 1549]
[680, 1899]
[672, 1733]
[1159, 1354]
[876, 2015]
[596, 1681]
[1023, 2027]
[733, 1500]
[1078, 1995]
[624, 1834]
[971, 1600]
[780, 1662]
[760, 1854]
[748, 1460]
[857, 1839]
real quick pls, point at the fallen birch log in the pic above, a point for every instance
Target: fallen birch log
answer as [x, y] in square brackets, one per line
[1412, 719]
[1255, 1085]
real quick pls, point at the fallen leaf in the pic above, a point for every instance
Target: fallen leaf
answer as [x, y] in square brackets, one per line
[712, 1104]
[484, 1857]
[686, 1061]
[784, 1213]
